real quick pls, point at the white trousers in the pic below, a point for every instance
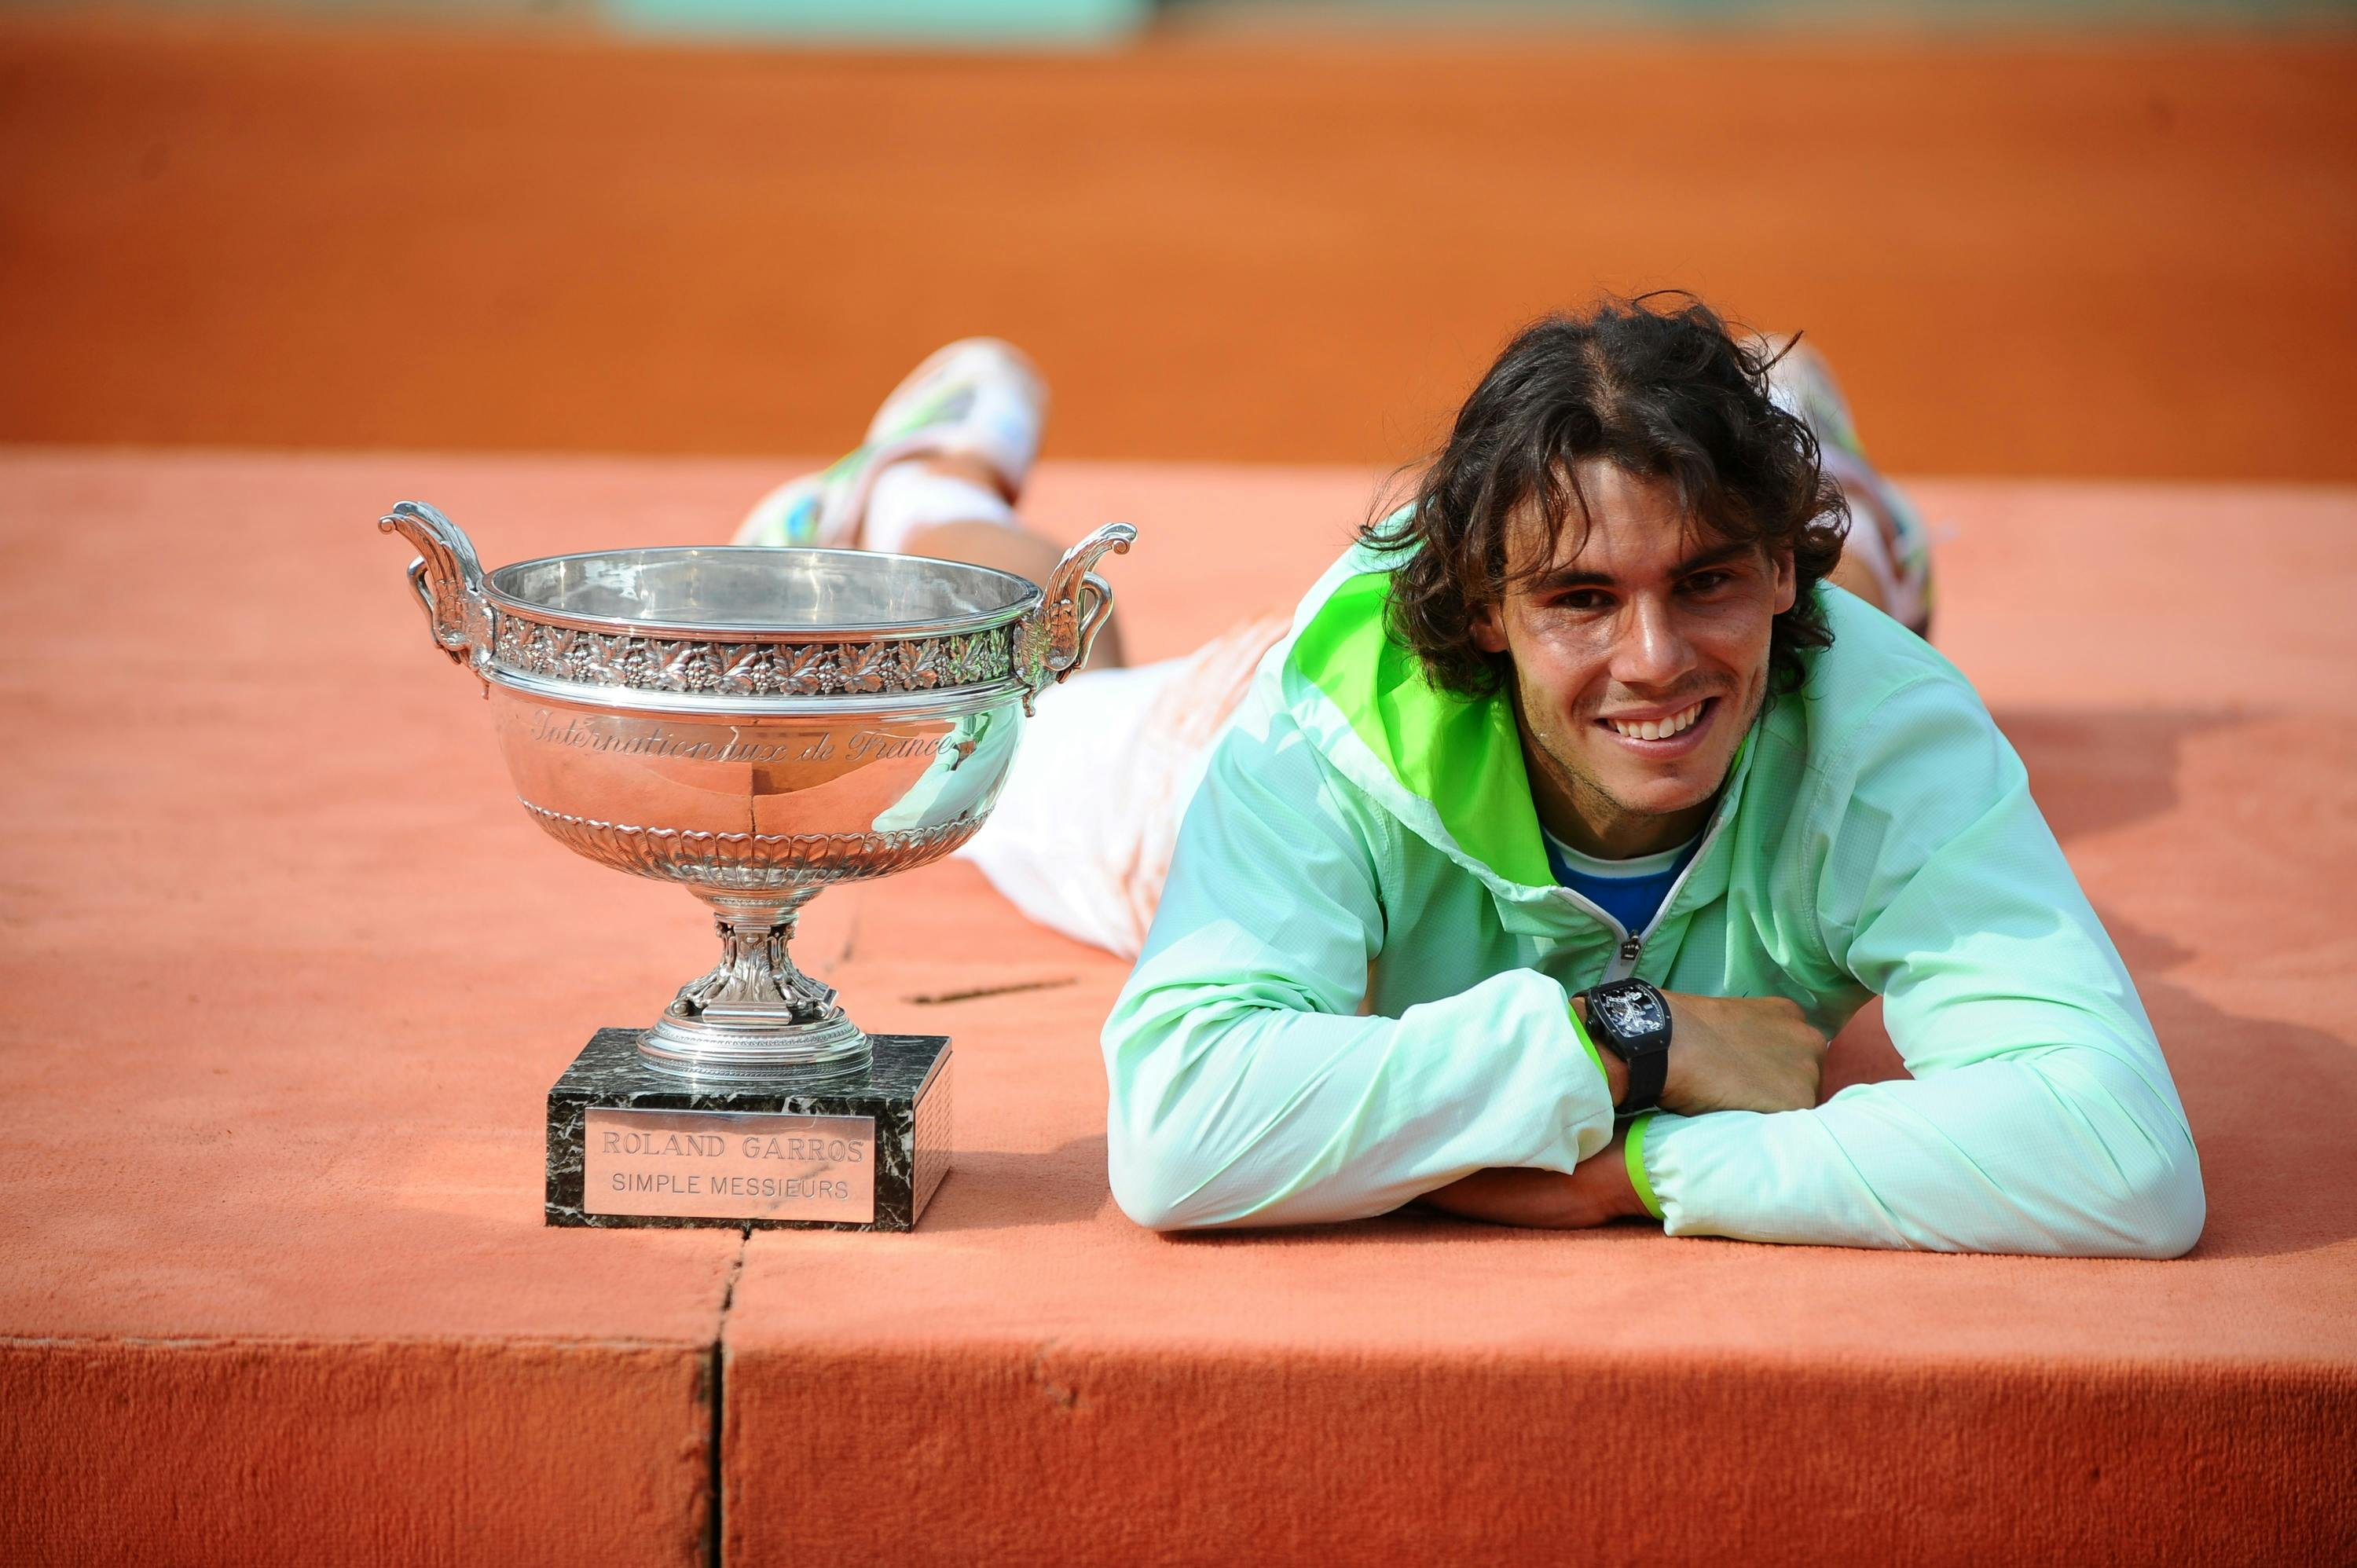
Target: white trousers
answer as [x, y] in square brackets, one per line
[1080, 838]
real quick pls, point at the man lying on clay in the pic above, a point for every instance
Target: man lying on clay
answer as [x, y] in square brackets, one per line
[1527, 871]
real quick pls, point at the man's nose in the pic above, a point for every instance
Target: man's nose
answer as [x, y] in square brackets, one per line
[1653, 649]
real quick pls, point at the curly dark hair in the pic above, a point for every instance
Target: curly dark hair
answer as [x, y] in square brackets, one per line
[1657, 385]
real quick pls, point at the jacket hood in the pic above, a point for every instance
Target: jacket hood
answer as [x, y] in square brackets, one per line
[1449, 768]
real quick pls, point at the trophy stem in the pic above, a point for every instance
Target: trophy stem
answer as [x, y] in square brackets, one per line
[756, 1014]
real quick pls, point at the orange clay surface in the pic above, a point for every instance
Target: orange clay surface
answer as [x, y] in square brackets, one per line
[288, 975]
[2120, 256]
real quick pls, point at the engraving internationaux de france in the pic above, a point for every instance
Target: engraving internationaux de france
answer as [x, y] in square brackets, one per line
[729, 1165]
[693, 743]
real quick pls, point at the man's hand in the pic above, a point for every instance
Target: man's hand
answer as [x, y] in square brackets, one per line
[1727, 1053]
[1740, 1052]
[1596, 1192]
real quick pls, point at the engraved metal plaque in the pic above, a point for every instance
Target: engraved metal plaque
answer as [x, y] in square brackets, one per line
[729, 1165]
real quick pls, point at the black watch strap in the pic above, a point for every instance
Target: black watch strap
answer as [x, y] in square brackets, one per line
[1631, 1020]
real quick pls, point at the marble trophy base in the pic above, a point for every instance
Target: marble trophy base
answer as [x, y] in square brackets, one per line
[629, 1144]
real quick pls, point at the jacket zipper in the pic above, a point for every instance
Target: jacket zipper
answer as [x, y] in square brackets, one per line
[1623, 962]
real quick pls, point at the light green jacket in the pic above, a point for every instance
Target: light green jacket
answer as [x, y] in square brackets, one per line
[1357, 987]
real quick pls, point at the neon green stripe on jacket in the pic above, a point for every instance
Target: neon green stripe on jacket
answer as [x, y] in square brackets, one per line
[1356, 988]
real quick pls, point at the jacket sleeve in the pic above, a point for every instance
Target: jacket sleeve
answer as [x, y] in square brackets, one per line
[1247, 1088]
[2040, 1118]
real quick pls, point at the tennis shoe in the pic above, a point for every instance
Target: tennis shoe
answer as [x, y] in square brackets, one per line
[978, 397]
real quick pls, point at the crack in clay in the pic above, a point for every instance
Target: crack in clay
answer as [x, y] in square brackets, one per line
[937, 998]
[1066, 1400]
[716, 1386]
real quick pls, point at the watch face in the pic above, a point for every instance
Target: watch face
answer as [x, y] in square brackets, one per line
[1630, 1013]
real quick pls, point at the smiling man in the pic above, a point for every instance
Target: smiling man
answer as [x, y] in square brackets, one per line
[1576, 812]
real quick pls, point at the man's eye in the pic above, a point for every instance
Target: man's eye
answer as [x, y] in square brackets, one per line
[1707, 582]
[1582, 600]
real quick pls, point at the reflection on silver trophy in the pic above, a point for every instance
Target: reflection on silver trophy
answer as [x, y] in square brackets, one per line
[755, 724]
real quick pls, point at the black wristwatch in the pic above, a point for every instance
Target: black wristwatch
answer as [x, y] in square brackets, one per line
[1631, 1020]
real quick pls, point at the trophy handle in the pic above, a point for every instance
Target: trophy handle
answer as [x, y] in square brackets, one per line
[448, 578]
[1056, 638]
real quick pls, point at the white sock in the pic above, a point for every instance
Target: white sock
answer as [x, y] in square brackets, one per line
[908, 497]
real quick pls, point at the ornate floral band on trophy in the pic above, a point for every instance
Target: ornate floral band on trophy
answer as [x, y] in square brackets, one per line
[753, 724]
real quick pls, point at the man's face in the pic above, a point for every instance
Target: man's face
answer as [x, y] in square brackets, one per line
[1640, 658]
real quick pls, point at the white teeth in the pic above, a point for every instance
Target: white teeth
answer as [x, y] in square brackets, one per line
[1658, 729]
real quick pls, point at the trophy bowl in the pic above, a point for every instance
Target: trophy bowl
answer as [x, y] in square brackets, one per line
[754, 723]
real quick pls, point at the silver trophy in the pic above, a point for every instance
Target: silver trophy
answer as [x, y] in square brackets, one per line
[754, 723]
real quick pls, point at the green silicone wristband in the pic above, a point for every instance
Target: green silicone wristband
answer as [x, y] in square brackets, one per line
[1633, 1149]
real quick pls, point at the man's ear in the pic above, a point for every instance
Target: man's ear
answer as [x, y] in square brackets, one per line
[1787, 580]
[1488, 628]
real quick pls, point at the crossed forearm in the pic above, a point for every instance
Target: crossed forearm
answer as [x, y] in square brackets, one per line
[1595, 1191]
[1727, 1053]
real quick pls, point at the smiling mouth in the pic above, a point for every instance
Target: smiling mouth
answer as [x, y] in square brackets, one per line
[1665, 728]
